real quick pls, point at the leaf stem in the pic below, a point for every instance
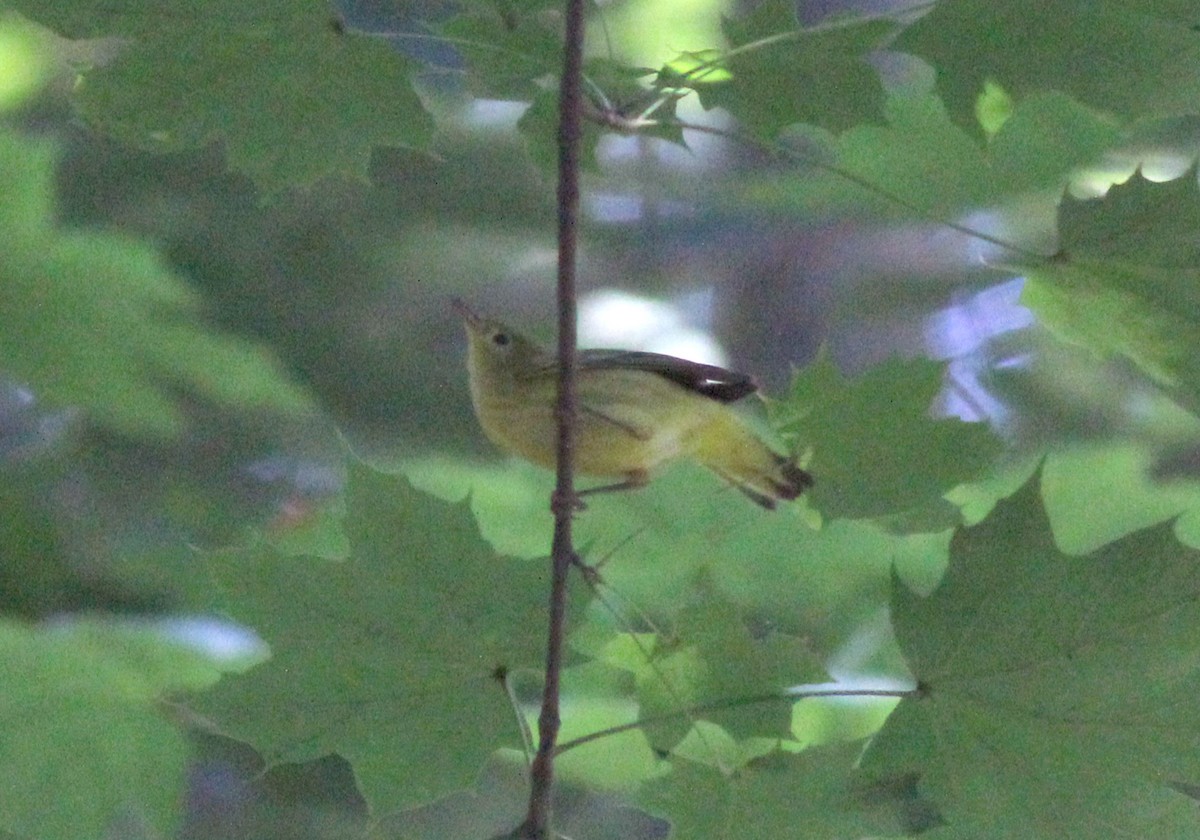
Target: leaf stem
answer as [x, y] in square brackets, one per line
[735, 702]
[832, 25]
[780, 151]
[564, 501]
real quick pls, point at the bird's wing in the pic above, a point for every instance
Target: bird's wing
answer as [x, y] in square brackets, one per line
[631, 427]
[710, 381]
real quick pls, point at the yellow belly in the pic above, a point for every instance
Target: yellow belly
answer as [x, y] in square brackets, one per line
[615, 436]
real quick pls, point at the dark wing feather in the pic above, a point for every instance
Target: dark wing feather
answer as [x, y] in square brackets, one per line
[710, 381]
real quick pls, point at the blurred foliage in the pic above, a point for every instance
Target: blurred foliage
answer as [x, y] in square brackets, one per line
[260, 79]
[100, 322]
[231, 235]
[88, 689]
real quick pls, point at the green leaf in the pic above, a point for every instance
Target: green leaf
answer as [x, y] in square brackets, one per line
[778, 74]
[1094, 495]
[876, 449]
[941, 171]
[622, 105]
[294, 97]
[1126, 278]
[596, 698]
[920, 161]
[1057, 693]
[510, 46]
[497, 804]
[712, 656]
[687, 529]
[993, 107]
[24, 61]
[1103, 306]
[1149, 222]
[316, 530]
[655, 546]
[390, 658]
[37, 577]
[814, 794]
[97, 320]
[82, 737]
[1028, 152]
[1136, 60]
[539, 126]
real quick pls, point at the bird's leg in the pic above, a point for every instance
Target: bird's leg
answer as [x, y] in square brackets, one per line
[634, 479]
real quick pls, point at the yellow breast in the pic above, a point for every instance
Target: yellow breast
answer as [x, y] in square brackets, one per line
[629, 421]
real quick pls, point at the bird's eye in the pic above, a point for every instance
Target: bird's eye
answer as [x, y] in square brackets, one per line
[501, 339]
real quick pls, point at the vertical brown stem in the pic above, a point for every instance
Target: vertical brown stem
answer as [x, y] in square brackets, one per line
[537, 819]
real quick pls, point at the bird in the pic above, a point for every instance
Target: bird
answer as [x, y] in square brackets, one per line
[637, 412]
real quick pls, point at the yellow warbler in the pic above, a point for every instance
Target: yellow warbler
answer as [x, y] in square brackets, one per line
[637, 411]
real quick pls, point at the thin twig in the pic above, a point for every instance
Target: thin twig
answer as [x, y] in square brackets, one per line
[563, 502]
[792, 155]
[736, 702]
[596, 585]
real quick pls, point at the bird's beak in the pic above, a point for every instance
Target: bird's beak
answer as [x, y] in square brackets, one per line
[473, 319]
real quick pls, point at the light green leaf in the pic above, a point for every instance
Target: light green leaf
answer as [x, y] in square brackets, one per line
[24, 61]
[1101, 306]
[97, 320]
[712, 655]
[654, 545]
[1095, 495]
[82, 737]
[597, 697]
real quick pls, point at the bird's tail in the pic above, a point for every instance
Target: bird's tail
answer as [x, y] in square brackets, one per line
[732, 450]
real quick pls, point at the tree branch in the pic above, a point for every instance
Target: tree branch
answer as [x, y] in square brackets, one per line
[563, 502]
